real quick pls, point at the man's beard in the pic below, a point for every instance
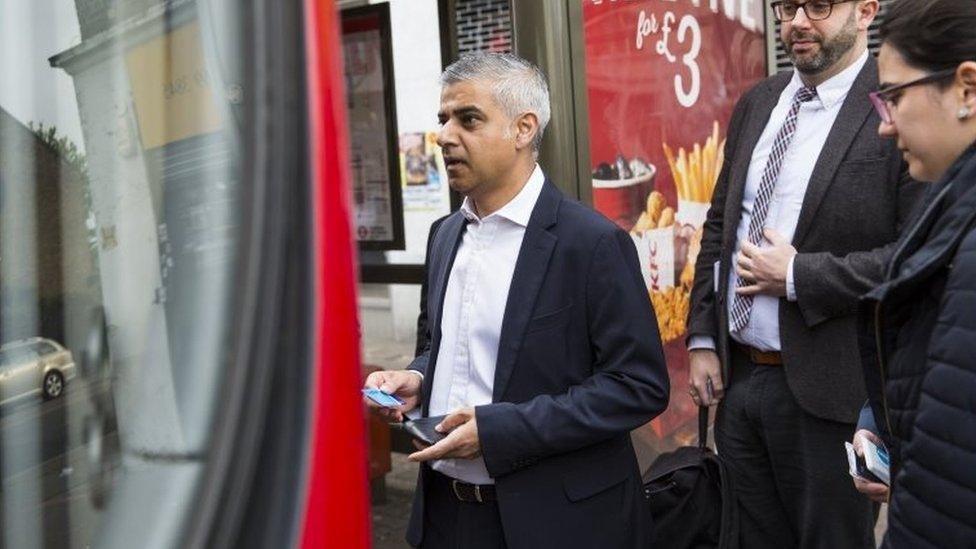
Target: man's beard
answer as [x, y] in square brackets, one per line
[830, 51]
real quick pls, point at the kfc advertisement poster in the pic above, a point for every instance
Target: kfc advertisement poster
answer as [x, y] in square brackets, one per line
[663, 77]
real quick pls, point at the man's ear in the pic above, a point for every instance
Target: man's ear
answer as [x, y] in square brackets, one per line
[526, 128]
[867, 10]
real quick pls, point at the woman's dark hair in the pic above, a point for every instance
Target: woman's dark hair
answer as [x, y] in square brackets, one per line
[932, 35]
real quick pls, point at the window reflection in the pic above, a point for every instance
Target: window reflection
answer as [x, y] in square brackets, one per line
[120, 196]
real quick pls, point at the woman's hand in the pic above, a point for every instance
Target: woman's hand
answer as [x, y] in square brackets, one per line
[876, 491]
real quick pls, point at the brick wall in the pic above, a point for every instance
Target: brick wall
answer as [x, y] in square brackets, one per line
[484, 25]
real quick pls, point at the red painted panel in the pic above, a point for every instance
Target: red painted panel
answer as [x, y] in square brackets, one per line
[337, 505]
[665, 75]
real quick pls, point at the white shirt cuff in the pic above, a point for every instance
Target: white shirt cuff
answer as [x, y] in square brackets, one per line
[701, 342]
[790, 286]
[422, 375]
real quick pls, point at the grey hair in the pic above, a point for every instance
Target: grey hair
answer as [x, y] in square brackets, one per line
[518, 85]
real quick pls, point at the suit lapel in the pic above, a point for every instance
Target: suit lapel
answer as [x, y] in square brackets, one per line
[756, 122]
[850, 119]
[530, 271]
[446, 243]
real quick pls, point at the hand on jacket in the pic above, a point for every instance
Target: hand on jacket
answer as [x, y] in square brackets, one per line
[765, 268]
[876, 491]
[703, 366]
[461, 443]
[402, 383]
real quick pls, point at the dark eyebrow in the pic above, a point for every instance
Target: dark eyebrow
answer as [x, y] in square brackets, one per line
[468, 109]
[460, 111]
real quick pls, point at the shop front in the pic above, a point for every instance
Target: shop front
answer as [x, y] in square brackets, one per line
[642, 92]
[641, 96]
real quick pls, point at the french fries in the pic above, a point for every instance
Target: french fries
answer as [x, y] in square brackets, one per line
[695, 172]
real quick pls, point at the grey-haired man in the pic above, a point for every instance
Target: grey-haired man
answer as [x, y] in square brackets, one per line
[802, 223]
[544, 350]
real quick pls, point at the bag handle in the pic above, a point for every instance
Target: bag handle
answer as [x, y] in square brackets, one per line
[703, 427]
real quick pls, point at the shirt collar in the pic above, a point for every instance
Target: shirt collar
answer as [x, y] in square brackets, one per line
[519, 209]
[835, 89]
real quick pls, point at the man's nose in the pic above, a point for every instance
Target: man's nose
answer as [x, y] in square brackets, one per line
[445, 137]
[800, 19]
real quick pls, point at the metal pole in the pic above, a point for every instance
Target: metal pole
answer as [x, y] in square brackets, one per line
[550, 34]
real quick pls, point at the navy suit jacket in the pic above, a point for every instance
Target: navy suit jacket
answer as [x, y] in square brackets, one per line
[580, 364]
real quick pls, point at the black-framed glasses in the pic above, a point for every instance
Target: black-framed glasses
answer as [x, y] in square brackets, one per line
[815, 10]
[883, 99]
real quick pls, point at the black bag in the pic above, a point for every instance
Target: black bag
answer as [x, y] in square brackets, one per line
[691, 497]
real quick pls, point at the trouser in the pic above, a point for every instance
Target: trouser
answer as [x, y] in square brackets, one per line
[453, 524]
[789, 468]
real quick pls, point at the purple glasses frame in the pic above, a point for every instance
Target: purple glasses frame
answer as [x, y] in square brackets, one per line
[881, 99]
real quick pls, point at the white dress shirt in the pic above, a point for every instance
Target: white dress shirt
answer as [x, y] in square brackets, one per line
[814, 121]
[473, 311]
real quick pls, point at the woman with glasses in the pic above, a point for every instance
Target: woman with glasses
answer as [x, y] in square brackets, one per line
[919, 343]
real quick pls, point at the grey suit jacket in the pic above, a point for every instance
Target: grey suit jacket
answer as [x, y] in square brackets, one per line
[858, 197]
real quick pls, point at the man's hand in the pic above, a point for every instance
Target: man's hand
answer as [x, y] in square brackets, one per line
[704, 366]
[461, 443]
[765, 268]
[401, 383]
[875, 491]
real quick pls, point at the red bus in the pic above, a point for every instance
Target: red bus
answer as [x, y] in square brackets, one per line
[177, 278]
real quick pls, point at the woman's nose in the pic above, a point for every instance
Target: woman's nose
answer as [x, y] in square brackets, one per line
[887, 130]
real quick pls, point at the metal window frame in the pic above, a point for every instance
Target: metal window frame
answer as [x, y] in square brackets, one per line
[550, 34]
[413, 273]
[382, 12]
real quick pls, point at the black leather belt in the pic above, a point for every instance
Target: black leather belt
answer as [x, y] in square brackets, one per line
[473, 493]
[469, 493]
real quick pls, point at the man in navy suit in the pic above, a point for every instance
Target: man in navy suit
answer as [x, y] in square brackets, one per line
[543, 351]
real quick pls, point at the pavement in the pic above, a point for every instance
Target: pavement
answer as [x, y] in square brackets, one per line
[390, 517]
[391, 513]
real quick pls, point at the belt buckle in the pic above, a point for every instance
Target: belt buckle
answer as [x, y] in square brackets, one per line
[477, 491]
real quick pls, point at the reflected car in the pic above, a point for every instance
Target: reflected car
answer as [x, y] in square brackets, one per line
[33, 366]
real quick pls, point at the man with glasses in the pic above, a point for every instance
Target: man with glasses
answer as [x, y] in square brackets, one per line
[802, 222]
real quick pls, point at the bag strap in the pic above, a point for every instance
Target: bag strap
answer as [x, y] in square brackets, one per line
[703, 427]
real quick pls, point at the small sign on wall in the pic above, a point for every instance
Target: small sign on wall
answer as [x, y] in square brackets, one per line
[374, 142]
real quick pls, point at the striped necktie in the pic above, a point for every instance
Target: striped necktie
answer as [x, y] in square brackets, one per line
[742, 304]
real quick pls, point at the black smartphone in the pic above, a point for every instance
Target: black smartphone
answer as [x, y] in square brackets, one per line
[422, 429]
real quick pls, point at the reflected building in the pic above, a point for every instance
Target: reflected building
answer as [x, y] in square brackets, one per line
[160, 132]
[49, 275]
